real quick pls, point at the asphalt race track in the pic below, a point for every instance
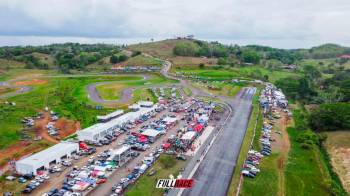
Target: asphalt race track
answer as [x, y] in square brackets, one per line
[213, 176]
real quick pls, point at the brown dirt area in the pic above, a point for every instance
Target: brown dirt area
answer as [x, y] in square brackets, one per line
[31, 82]
[25, 148]
[338, 146]
[65, 128]
[281, 145]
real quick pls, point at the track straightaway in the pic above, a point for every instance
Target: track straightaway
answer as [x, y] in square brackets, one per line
[214, 174]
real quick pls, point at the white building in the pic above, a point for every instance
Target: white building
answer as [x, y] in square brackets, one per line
[121, 155]
[189, 136]
[146, 104]
[42, 159]
[110, 116]
[100, 130]
[151, 134]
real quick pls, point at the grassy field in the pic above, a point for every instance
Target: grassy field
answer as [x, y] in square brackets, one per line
[67, 96]
[192, 61]
[144, 94]
[219, 74]
[245, 145]
[113, 91]
[220, 88]
[146, 185]
[324, 62]
[45, 58]
[141, 60]
[305, 173]
[4, 63]
[266, 182]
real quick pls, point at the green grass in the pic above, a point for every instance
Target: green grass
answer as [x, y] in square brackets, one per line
[67, 96]
[4, 63]
[266, 182]
[163, 49]
[146, 185]
[113, 91]
[305, 174]
[144, 94]
[219, 74]
[245, 145]
[187, 91]
[142, 60]
[220, 88]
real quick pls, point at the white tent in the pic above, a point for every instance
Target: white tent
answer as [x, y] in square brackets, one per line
[42, 159]
[110, 115]
[151, 133]
[99, 130]
[189, 135]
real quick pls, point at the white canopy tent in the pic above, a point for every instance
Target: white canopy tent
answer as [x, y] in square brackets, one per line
[42, 159]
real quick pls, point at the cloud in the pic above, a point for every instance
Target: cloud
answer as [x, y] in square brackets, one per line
[310, 21]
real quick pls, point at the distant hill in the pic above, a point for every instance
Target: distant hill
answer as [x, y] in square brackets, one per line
[163, 49]
[324, 51]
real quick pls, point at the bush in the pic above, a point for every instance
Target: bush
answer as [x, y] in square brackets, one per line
[167, 161]
[135, 53]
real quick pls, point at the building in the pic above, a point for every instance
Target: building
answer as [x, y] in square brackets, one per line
[151, 134]
[121, 155]
[189, 136]
[110, 116]
[146, 104]
[43, 159]
[98, 131]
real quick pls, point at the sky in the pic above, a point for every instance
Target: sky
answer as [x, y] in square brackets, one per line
[278, 23]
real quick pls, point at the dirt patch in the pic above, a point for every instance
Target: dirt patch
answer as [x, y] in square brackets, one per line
[338, 146]
[41, 130]
[31, 82]
[17, 151]
[66, 127]
[282, 146]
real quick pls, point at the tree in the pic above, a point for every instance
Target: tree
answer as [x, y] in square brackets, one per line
[330, 117]
[201, 65]
[114, 59]
[123, 57]
[135, 53]
[250, 56]
[186, 49]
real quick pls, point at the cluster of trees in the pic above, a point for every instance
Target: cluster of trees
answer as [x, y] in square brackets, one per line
[329, 117]
[284, 56]
[323, 51]
[201, 48]
[66, 56]
[118, 58]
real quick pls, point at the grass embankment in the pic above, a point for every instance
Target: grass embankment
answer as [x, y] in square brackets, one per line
[246, 144]
[220, 88]
[306, 172]
[219, 74]
[141, 60]
[146, 185]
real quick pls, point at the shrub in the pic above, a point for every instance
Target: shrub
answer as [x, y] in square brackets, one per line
[167, 162]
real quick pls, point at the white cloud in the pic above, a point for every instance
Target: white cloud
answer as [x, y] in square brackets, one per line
[313, 21]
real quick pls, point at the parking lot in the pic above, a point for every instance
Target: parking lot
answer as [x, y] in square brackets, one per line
[62, 178]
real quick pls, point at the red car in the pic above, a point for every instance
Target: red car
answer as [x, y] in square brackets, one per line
[101, 181]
